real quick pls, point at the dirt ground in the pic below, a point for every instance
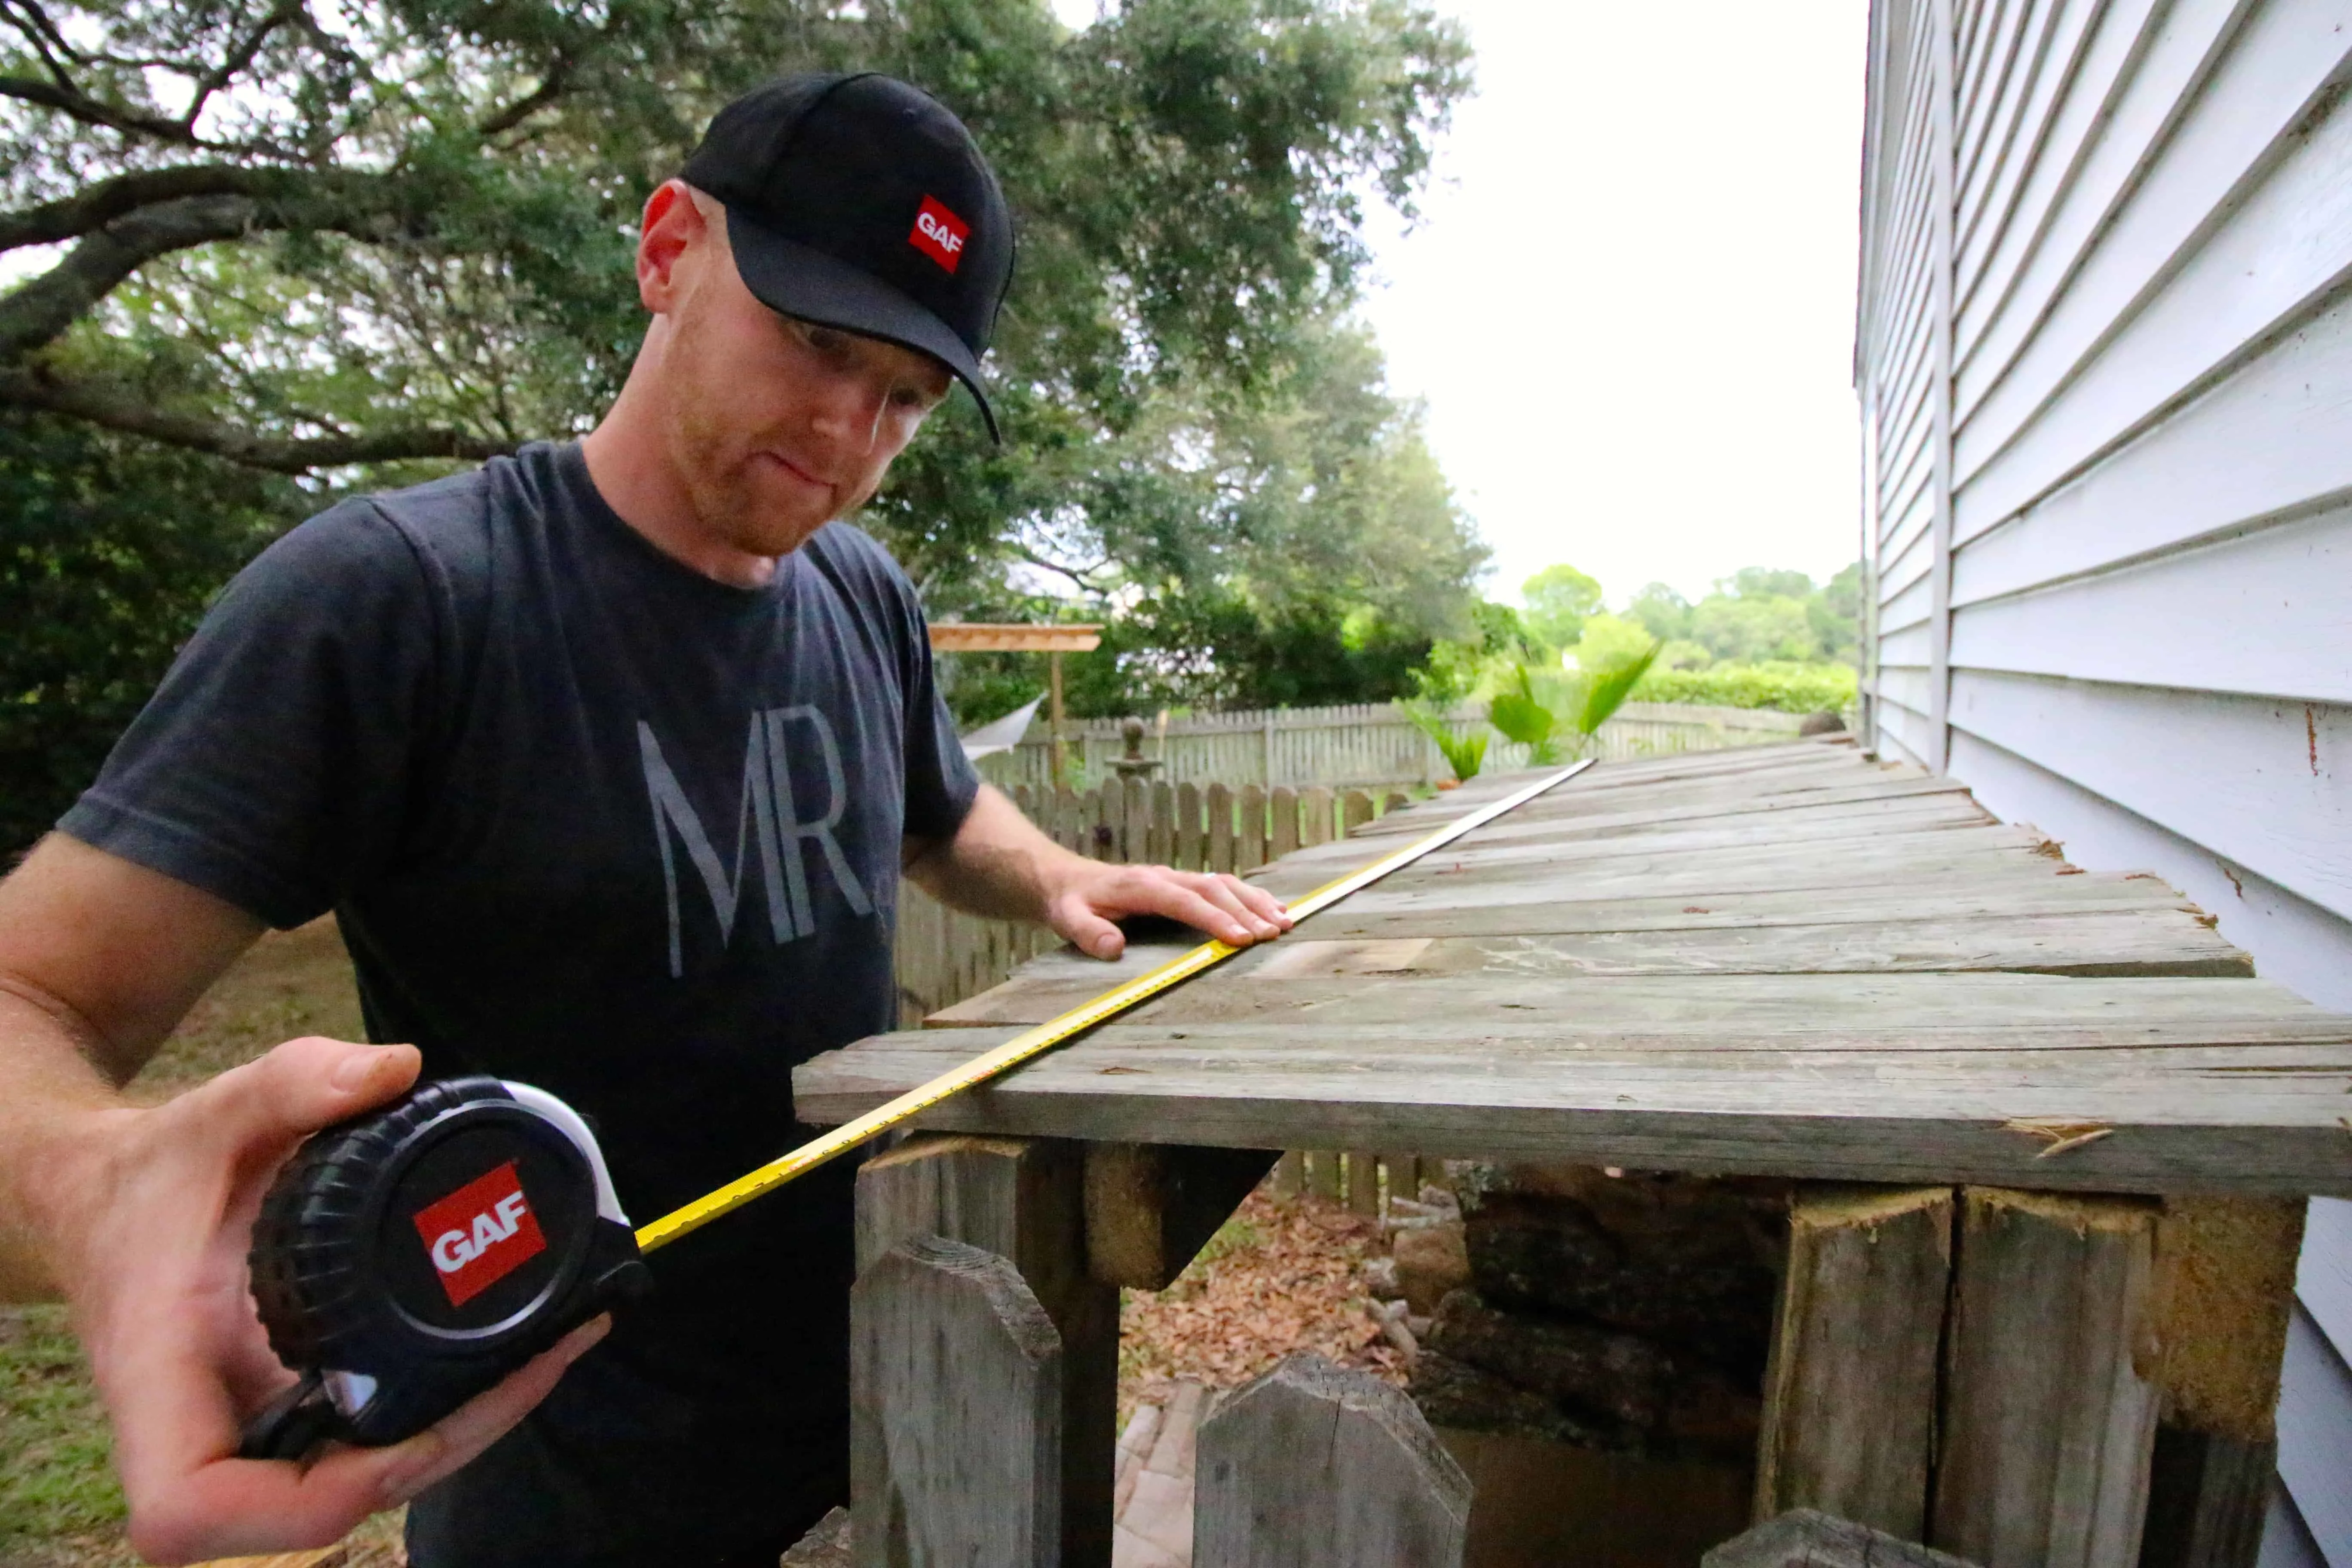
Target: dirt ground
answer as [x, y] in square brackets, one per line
[1281, 1276]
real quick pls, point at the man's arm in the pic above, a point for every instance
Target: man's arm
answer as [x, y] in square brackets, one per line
[141, 1217]
[999, 864]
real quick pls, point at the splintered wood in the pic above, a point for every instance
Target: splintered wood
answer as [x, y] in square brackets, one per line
[1785, 960]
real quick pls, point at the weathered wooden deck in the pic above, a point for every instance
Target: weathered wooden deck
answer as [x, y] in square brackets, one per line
[1787, 960]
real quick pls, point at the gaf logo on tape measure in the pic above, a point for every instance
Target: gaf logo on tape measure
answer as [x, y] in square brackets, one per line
[480, 1234]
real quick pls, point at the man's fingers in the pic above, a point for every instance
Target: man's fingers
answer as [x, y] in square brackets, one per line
[299, 1088]
[1258, 900]
[487, 1417]
[1075, 918]
[240, 1507]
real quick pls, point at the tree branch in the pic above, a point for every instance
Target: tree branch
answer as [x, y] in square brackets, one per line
[238, 59]
[126, 410]
[95, 205]
[43, 34]
[91, 111]
[364, 206]
[1076, 574]
[551, 87]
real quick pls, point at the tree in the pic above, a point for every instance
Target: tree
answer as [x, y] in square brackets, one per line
[1746, 629]
[1765, 582]
[1662, 613]
[111, 549]
[353, 245]
[1559, 598]
[401, 231]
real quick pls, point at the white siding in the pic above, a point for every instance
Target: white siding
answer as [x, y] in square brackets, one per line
[2105, 363]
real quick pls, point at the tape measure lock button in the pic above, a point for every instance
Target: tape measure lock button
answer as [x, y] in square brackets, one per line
[408, 1259]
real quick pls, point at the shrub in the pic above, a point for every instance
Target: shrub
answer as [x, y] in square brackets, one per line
[1792, 688]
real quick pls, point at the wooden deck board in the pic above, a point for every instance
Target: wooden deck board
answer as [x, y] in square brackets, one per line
[1788, 960]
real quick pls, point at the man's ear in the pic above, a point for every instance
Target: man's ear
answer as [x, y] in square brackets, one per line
[672, 225]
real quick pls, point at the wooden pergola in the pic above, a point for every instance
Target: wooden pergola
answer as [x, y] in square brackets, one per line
[1052, 639]
[2047, 1137]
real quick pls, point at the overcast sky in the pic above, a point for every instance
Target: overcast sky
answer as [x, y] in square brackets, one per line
[1629, 304]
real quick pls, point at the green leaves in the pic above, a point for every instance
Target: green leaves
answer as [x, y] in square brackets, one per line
[1465, 754]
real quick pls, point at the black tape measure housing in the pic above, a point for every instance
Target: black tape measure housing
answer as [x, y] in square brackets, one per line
[409, 1258]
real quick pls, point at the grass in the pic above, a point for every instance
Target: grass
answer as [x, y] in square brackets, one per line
[59, 1506]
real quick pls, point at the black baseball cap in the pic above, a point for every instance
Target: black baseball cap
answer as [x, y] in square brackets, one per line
[858, 202]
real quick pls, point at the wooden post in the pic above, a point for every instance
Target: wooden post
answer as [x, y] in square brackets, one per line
[1105, 816]
[1150, 1207]
[1221, 828]
[1363, 1182]
[1159, 836]
[1250, 853]
[2042, 1458]
[1290, 1174]
[1024, 1200]
[1850, 1387]
[1323, 1173]
[2217, 1333]
[1313, 1466]
[1405, 1176]
[1355, 810]
[1192, 851]
[1053, 715]
[1396, 800]
[1314, 806]
[955, 1443]
[1807, 1539]
[1135, 822]
[1283, 837]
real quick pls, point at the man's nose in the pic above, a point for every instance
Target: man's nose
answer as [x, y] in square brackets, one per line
[851, 412]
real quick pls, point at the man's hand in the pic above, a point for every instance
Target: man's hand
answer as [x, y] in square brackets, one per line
[1091, 895]
[159, 1218]
[999, 865]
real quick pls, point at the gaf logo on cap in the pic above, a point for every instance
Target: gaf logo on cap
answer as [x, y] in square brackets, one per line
[480, 1234]
[939, 232]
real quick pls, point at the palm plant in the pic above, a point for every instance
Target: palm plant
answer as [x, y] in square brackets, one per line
[1465, 754]
[1541, 708]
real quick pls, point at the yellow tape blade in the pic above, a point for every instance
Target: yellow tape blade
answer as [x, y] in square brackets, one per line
[1055, 1031]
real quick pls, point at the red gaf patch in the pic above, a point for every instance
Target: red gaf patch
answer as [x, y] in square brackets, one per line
[480, 1234]
[939, 232]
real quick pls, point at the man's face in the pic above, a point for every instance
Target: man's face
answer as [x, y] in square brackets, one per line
[776, 426]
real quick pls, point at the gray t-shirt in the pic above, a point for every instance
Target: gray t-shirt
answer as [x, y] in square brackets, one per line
[593, 821]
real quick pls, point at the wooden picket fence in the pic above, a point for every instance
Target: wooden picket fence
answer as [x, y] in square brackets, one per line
[944, 956]
[1368, 746]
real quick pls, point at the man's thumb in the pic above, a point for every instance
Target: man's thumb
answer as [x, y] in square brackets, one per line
[306, 1084]
[1086, 930]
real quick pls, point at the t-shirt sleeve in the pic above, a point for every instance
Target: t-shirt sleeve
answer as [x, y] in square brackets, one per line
[940, 783]
[273, 765]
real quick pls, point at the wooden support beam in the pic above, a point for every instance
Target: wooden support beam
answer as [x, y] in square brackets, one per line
[2216, 1337]
[1323, 1173]
[955, 1420]
[1850, 1387]
[1809, 1539]
[1313, 1466]
[2047, 1428]
[1024, 1200]
[1363, 1182]
[1152, 1207]
[1290, 1174]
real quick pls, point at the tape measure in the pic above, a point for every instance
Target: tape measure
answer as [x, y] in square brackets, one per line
[408, 1259]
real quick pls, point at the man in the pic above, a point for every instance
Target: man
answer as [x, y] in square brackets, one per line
[606, 757]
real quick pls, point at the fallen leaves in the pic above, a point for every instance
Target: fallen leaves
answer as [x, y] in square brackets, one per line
[1284, 1275]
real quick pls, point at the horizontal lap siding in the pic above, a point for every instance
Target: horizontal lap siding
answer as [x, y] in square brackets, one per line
[2145, 646]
